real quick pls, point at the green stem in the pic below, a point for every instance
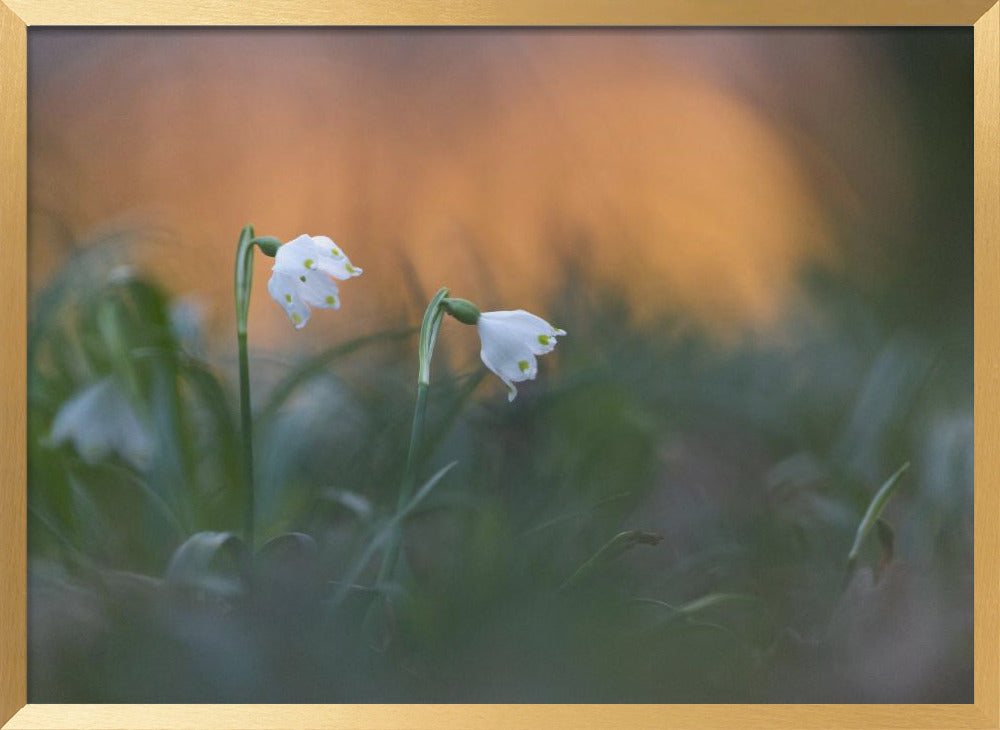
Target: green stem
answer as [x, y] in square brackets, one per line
[416, 431]
[246, 426]
[244, 277]
[425, 351]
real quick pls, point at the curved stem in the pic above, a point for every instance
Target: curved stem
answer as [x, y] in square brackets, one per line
[425, 351]
[244, 277]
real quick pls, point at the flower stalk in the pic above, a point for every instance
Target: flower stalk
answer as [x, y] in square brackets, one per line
[425, 351]
[244, 278]
[302, 277]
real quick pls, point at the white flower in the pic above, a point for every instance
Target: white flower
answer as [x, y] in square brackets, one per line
[100, 420]
[186, 317]
[511, 341]
[303, 276]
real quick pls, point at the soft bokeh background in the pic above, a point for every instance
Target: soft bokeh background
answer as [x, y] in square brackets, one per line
[759, 241]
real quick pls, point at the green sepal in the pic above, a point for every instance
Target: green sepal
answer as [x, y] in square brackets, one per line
[268, 245]
[462, 309]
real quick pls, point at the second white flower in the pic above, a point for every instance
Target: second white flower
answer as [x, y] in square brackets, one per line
[511, 342]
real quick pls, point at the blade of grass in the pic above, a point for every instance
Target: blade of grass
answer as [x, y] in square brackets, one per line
[574, 514]
[613, 549]
[422, 493]
[688, 612]
[64, 542]
[704, 603]
[383, 536]
[868, 522]
[318, 363]
[163, 507]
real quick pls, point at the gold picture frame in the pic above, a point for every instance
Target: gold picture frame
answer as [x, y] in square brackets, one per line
[17, 16]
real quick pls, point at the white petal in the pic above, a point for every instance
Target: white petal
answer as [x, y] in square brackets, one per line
[298, 255]
[333, 260]
[338, 268]
[83, 423]
[488, 362]
[100, 420]
[512, 366]
[135, 442]
[74, 414]
[538, 335]
[128, 435]
[309, 253]
[328, 248]
[506, 354]
[285, 289]
[319, 290]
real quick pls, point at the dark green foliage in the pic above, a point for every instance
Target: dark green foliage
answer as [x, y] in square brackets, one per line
[737, 473]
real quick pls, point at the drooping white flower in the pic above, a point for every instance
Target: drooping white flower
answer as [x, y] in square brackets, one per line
[186, 317]
[100, 420]
[511, 341]
[303, 276]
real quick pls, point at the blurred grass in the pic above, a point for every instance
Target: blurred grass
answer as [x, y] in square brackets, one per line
[753, 460]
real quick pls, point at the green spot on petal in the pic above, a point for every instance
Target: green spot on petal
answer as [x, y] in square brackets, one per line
[523, 364]
[302, 279]
[296, 318]
[335, 252]
[288, 298]
[330, 300]
[544, 339]
[308, 263]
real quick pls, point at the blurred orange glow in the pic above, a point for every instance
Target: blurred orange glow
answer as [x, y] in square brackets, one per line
[485, 159]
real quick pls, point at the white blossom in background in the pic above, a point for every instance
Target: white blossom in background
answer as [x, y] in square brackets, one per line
[99, 421]
[511, 342]
[187, 323]
[304, 274]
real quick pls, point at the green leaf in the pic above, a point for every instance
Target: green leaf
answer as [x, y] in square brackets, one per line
[704, 603]
[288, 544]
[871, 518]
[422, 493]
[209, 562]
[428, 335]
[355, 503]
[612, 550]
[384, 535]
[574, 514]
[687, 613]
[350, 580]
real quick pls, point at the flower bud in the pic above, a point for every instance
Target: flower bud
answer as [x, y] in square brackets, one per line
[461, 309]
